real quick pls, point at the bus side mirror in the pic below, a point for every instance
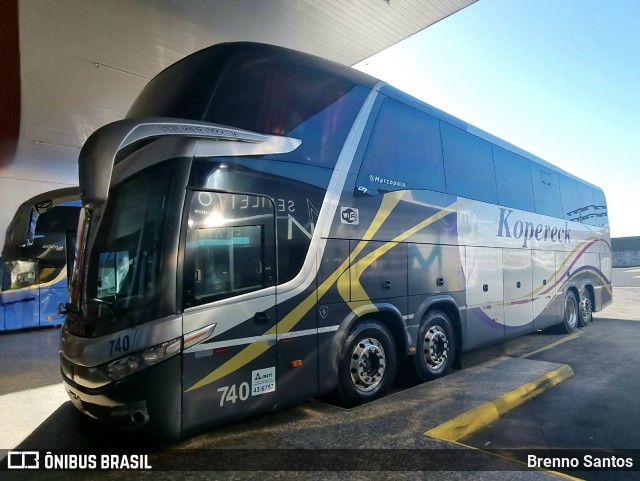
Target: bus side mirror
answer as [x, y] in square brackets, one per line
[30, 234]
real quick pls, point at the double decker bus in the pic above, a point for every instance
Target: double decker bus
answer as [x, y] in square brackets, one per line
[266, 226]
[37, 257]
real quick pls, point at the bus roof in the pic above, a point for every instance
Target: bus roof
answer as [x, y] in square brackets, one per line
[201, 66]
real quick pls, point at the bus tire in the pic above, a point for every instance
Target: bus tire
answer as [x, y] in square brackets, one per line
[436, 346]
[570, 314]
[368, 365]
[585, 308]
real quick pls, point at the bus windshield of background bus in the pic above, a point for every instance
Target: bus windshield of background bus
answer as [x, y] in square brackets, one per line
[19, 274]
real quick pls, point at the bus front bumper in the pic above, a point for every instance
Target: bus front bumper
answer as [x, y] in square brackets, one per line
[149, 400]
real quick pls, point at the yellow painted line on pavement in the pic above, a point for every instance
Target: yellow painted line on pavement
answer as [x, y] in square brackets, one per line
[471, 421]
[553, 344]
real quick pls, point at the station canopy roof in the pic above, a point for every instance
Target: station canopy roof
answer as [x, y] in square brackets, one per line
[83, 62]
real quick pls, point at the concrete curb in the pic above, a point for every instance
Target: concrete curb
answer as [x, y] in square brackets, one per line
[484, 414]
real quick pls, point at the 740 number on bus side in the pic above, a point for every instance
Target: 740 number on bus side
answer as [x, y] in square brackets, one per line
[230, 394]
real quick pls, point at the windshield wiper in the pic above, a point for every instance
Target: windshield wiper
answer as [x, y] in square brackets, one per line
[97, 300]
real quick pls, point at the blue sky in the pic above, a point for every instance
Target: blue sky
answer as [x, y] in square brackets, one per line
[558, 78]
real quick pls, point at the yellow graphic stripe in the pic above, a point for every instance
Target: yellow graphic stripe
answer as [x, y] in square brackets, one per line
[359, 267]
[564, 263]
[605, 283]
[255, 350]
[559, 269]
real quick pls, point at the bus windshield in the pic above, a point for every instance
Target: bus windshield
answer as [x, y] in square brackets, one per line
[127, 247]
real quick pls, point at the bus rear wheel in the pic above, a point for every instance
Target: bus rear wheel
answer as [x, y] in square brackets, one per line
[585, 310]
[368, 366]
[436, 347]
[570, 317]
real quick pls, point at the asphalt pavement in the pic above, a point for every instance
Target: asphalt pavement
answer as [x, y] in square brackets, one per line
[599, 407]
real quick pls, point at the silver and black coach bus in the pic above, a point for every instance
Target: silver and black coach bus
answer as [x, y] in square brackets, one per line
[266, 226]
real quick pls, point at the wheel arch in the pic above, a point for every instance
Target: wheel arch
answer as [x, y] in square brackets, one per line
[384, 313]
[572, 287]
[588, 286]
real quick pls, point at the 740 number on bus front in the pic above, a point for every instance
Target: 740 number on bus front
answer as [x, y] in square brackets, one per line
[119, 345]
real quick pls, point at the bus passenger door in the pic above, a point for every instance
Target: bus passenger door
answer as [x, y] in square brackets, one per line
[229, 369]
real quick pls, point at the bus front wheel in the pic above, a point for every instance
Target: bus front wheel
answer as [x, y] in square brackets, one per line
[435, 350]
[368, 366]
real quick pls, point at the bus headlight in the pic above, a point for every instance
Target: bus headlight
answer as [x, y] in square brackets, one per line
[133, 363]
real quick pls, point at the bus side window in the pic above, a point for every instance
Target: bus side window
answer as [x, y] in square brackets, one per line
[224, 261]
[601, 218]
[227, 250]
[403, 152]
[513, 176]
[546, 191]
[570, 202]
[587, 204]
[468, 162]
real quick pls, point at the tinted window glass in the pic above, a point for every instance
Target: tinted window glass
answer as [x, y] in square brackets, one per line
[468, 165]
[229, 250]
[569, 194]
[262, 89]
[125, 271]
[587, 207]
[60, 218]
[601, 217]
[298, 194]
[546, 191]
[280, 98]
[52, 261]
[227, 260]
[513, 175]
[403, 151]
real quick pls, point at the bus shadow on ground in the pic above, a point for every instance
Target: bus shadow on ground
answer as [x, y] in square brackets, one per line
[67, 429]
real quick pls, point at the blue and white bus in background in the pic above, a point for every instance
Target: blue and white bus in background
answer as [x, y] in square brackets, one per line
[36, 260]
[266, 226]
